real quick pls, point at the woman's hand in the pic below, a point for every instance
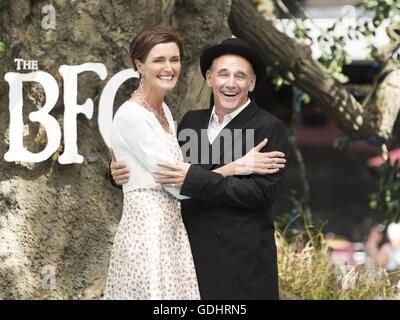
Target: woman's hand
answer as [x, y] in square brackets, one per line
[171, 174]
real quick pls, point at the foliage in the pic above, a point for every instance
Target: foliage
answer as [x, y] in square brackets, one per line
[330, 43]
[380, 11]
[386, 199]
[305, 272]
[331, 40]
[296, 223]
[7, 50]
[342, 141]
[4, 41]
[3, 47]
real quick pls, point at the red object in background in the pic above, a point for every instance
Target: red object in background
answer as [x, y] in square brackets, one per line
[342, 252]
[317, 136]
[377, 161]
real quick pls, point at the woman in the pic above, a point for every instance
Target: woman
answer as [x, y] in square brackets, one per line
[151, 256]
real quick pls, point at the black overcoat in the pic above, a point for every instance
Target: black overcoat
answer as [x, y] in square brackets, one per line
[228, 220]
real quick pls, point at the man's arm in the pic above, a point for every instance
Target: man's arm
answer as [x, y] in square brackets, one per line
[253, 162]
[247, 192]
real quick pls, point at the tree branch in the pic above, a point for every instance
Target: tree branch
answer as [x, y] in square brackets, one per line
[294, 61]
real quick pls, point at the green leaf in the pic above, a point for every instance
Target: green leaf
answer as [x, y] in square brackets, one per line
[305, 98]
[370, 4]
[342, 141]
[3, 47]
[389, 2]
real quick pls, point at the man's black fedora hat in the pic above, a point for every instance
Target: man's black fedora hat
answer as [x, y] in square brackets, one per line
[234, 46]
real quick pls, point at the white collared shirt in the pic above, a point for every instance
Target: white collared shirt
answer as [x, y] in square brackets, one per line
[214, 127]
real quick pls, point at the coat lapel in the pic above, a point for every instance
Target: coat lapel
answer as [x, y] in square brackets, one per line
[235, 129]
[203, 146]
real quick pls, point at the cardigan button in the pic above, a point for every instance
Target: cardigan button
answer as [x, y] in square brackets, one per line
[218, 233]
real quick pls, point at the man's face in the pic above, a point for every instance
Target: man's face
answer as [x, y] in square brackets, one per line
[231, 78]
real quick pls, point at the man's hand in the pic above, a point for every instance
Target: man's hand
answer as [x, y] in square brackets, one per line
[259, 162]
[171, 174]
[119, 170]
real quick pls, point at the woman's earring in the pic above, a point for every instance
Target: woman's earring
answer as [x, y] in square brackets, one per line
[140, 79]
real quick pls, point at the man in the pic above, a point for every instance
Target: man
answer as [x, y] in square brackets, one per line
[228, 219]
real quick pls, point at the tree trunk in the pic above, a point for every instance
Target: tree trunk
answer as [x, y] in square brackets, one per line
[57, 222]
[295, 62]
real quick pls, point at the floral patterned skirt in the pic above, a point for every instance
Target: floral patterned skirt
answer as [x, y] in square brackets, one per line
[151, 256]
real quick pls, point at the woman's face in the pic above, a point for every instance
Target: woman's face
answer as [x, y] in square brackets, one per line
[161, 67]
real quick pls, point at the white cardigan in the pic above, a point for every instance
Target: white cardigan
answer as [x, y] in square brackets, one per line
[138, 139]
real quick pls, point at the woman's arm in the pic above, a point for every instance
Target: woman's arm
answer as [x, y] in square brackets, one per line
[253, 162]
[382, 257]
[138, 134]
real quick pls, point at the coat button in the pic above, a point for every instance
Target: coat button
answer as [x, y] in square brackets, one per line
[218, 233]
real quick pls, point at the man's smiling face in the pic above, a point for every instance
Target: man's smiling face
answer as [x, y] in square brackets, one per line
[231, 78]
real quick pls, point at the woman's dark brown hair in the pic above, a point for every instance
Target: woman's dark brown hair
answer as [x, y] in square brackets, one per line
[150, 37]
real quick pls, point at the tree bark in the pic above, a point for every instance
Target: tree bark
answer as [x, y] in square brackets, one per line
[295, 63]
[65, 216]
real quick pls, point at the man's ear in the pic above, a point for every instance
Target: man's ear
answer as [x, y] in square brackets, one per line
[208, 78]
[252, 84]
